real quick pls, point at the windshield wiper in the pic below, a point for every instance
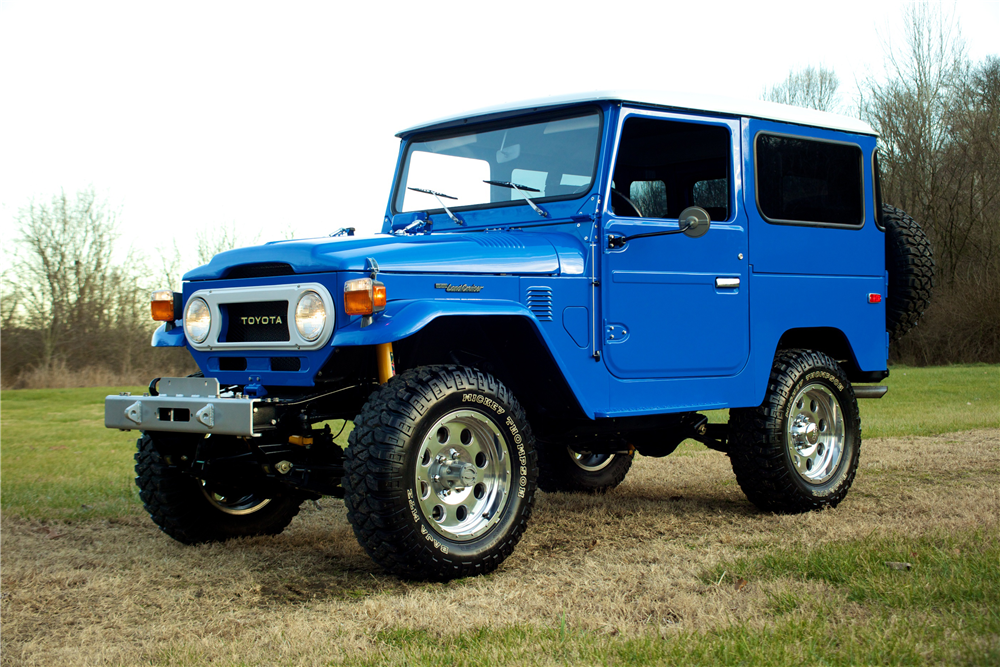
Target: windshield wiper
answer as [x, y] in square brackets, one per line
[521, 189]
[438, 195]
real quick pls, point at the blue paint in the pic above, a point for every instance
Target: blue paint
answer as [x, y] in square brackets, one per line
[642, 329]
[169, 337]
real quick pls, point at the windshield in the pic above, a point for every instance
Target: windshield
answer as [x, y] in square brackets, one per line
[554, 158]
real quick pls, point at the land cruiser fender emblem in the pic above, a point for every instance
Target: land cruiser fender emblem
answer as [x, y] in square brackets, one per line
[448, 287]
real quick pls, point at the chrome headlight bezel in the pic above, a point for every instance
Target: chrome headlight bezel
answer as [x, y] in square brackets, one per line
[220, 298]
[315, 323]
[197, 325]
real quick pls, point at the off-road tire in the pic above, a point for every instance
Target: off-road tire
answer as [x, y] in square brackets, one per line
[763, 453]
[387, 487]
[909, 259]
[179, 505]
[560, 469]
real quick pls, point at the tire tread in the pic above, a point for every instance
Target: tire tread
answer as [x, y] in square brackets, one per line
[757, 438]
[175, 503]
[909, 259]
[374, 473]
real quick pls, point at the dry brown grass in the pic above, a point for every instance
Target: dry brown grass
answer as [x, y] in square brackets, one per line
[628, 563]
[58, 375]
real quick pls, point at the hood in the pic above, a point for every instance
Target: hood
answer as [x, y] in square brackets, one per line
[519, 253]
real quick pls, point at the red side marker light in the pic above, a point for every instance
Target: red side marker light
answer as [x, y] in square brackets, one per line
[874, 298]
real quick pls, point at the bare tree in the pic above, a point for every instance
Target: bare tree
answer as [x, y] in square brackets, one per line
[171, 267]
[938, 119]
[213, 240]
[70, 294]
[650, 197]
[9, 300]
[912, 110]
[812, 87]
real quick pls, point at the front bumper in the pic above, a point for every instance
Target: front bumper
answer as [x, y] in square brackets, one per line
[190, 405]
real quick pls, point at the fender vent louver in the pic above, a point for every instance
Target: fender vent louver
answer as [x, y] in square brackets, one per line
[497, 241]
[265, 270]
[539, 302]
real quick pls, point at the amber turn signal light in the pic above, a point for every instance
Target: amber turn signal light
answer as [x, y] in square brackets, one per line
[165, 306]
[364, 296]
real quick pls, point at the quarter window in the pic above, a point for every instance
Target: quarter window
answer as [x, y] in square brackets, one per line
[808, 181]
[650, 197]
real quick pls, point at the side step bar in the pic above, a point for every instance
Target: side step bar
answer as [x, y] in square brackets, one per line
[870, 391]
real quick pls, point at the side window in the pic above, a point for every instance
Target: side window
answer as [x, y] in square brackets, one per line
[650, 197]
[710, 193]
[664, 166]
[809, 181]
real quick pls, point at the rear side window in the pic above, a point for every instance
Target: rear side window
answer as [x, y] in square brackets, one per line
[809, 181]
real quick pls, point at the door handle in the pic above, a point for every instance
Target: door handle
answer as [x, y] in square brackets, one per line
[727, 283]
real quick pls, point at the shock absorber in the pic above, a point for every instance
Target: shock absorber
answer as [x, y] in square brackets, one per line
[386, 364]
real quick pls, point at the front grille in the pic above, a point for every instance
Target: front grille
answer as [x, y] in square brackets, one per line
[263, 270]
[261, 322]
[285, 364]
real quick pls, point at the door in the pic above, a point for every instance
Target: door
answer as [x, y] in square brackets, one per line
[675, 306]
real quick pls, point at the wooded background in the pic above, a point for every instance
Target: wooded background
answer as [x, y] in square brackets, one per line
[74, 308]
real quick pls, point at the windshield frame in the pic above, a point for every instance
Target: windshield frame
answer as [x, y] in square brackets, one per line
[528, 118]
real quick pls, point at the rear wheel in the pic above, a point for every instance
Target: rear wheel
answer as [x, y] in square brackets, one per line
[191, 510]
[799, 450]
[566, 469]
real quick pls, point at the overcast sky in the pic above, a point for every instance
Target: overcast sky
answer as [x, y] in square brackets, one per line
[280, 116]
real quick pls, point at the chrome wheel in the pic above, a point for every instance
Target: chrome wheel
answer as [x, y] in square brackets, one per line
[590, 462]
[234, 504]
[815, 433]
[463, 475]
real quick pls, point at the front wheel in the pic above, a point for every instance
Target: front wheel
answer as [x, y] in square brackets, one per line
[191, 510]
[439, 473]
[799, 450]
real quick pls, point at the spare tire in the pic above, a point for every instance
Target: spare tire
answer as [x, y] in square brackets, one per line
[909, 260]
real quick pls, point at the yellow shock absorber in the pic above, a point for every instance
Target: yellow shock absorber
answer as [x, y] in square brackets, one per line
[386, 365]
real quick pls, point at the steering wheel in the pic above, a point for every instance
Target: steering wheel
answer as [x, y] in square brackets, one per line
[628, 204]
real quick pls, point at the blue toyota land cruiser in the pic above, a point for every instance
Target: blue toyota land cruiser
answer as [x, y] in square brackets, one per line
[557, 285]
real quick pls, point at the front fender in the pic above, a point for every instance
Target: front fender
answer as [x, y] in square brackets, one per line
[405, 317]
[172, 337]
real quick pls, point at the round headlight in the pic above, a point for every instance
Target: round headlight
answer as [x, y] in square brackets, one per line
[310, 316]
[197, 320]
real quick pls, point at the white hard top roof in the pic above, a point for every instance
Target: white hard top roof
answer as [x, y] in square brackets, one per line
[673, 100]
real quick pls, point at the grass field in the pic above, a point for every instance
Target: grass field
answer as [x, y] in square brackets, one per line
[673, 567]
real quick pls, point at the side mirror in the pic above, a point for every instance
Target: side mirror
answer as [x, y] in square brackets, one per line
[694, 221]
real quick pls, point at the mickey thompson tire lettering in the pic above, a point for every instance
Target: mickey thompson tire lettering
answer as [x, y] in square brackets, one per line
[440, 473]
[799, 450]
